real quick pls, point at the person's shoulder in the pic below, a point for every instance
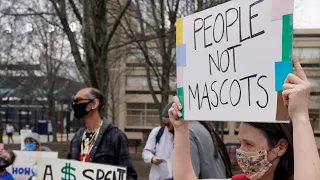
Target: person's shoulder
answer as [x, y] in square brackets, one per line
[195, 126]
[79, 132]
[8, 176]
[156, 129]
[44, 148]
[240, 177]
[115, 133]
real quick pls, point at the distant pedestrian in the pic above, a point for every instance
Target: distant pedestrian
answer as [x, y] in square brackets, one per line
[10, 131]
[32, 143]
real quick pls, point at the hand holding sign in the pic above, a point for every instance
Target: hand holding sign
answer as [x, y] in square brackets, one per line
[175, 113]
[296, 93]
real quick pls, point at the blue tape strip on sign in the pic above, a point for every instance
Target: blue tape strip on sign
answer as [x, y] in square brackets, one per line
[282, 69]
[181, 55]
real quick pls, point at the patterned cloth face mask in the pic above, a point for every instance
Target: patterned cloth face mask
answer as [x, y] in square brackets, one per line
[254, 164]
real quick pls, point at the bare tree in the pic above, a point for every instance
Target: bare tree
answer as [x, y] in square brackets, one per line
[43, 43]
[117, 72]
[97, 37]
[6, 48]
[156, 21]
[54, 61]
[95, 42]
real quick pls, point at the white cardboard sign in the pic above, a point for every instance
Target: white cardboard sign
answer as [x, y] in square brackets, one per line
[232, 61]
[21, 169]
[52, 169]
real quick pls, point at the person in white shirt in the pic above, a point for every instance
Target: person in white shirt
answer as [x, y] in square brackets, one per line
[10, 131]
[159, 148]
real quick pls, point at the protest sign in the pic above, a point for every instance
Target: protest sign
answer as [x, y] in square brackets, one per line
[21, 169]
[23, 133]
[52, 169]
[232, 61]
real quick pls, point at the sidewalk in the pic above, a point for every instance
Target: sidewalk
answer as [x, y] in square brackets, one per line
[43, 138]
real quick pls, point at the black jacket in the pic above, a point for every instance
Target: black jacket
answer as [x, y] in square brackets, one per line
[110, 147]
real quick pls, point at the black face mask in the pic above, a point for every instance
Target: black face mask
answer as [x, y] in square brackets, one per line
[5, 163]
[80, 109]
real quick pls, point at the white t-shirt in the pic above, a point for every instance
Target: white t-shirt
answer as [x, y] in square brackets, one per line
[9, 129]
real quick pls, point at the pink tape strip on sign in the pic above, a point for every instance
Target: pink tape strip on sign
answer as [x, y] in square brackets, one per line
[179, 77]
[280, 8]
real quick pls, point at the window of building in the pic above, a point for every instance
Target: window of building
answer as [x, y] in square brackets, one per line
[138, 81]
[315, 123]
[29, 27]
[142, 114]
[8, 28]
[315, 81]
[73, 27]
[51, 28]
[307, 52]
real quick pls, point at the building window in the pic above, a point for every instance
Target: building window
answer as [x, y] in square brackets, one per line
[307, 53]
[51, 28]
[73, 27]
[316, 125]
[138, 81]
[8, 28]
[315, 81]
[142, 114]
[29, 27]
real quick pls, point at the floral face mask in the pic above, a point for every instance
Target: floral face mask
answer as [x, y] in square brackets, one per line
[254, 164]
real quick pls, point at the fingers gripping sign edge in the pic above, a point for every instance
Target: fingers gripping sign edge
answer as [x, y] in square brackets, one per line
[179, 100]
[300, 72]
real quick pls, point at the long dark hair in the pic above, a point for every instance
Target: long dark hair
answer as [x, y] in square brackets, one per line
[274, 132]
[219, 147]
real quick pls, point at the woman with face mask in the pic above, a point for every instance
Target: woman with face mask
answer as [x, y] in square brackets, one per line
[6, 159]
[32, 143]
[268, 151]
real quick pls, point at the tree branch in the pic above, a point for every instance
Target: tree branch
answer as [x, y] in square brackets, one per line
[27, 14]
[76, 11]
[74, 46]
[135, 40]
[116, 24]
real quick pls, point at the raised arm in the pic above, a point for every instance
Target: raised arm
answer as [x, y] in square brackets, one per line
[182, 166]
[296, 93]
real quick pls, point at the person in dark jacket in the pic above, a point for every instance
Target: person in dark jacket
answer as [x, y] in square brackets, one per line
[99, 141]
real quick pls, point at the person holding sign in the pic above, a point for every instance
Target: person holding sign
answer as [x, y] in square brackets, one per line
[269, 151]
[6, 159]
[99, 141]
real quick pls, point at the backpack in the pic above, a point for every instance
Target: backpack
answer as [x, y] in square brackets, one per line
[159, 134]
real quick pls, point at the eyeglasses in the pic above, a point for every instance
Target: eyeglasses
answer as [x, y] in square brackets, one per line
[76, 101]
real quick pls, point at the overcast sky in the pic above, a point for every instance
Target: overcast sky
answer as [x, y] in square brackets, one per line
[307, 14]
